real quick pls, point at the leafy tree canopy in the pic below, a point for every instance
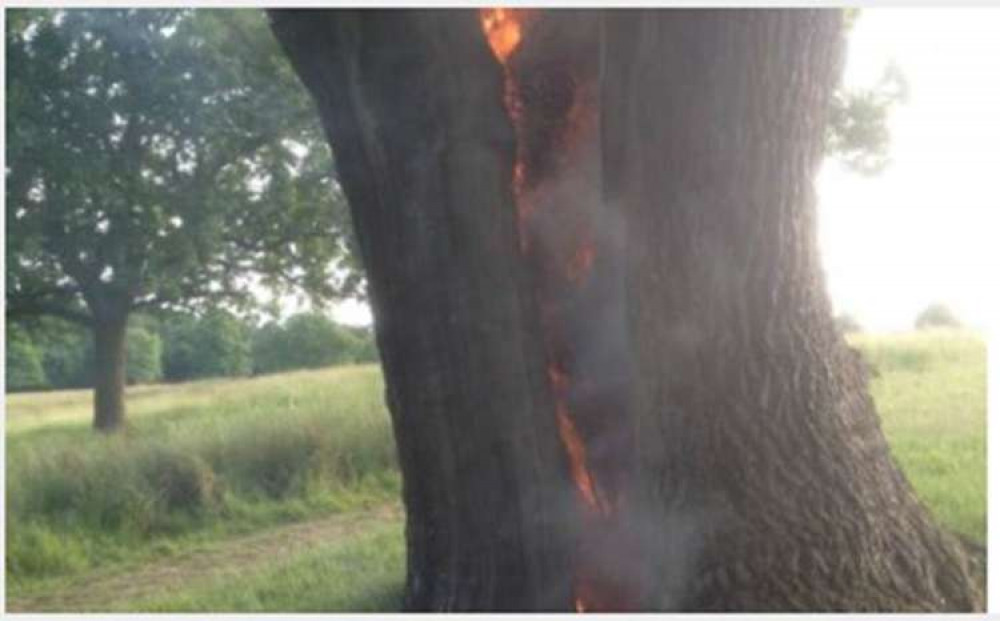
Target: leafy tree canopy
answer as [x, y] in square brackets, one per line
[162, 159]
[23, 362]
[216, 345]
[307, 341]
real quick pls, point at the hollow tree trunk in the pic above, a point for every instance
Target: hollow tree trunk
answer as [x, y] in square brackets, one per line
[424, 154]
[675, 404]
[109, 372]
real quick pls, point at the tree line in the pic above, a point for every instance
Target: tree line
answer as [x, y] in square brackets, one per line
[56, 354]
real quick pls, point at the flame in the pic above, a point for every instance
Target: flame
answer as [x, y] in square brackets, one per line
[505, 30]
[578, 459]
[571, 440]
[502, 28]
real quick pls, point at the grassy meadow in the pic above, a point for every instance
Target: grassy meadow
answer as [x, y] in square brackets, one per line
[245, 468]
[198, 462]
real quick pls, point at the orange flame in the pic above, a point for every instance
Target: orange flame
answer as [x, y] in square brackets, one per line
[573, 443]
[503, 30]
[577, 457]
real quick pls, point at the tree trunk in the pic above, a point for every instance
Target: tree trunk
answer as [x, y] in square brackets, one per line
[756, 431]
[424, 153]
[610, 360]
[109, 373]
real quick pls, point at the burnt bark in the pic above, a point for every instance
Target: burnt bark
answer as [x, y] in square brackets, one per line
[748, 468]
[109, 372]
[412, 101]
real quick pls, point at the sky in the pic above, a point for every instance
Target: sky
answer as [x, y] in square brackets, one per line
[925, 230]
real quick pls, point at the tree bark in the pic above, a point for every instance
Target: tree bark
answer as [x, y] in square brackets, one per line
[109, 372]
[733, 458]
[761, 452]
[413, 102]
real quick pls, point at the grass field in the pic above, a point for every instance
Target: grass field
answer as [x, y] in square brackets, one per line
[280, 493]
[198, 463]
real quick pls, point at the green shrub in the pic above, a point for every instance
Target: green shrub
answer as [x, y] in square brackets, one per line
[143, 365]
[304, 341]
[365, 348]
[23, 362]
[937, 316]
[37, 550]
[66, 357]
[66, 353]
[181, 481]
[217, 345]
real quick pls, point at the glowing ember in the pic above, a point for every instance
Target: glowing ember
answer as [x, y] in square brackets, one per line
[565, 143]
[503, 30]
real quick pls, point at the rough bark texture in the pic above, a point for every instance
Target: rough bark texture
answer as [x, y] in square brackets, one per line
[109, 373]
[413, 102]
[762, 458]
[759, 478]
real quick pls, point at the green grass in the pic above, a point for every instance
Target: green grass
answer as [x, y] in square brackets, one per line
[364, 574]
[198, 462]
[205, 461]
[931, 396]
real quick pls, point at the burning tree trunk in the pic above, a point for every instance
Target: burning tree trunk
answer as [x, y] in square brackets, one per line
[610, 361]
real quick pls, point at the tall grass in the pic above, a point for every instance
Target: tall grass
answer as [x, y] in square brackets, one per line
[259, 451]
[364, 574]
[930, 391]
[203, 460]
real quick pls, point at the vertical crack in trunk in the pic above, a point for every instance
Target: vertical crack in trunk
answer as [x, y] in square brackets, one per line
[572, 246]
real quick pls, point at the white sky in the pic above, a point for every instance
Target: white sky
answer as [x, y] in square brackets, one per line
[925, 230]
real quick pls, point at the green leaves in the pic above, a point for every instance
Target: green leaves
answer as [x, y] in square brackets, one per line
[857, 130]
[162, 158]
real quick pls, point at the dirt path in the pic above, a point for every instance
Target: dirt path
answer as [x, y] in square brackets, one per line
[99, 591]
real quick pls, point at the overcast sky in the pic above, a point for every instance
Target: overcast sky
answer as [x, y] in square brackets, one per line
[926, 229]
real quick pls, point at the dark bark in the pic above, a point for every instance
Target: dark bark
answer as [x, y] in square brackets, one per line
[728, 427]
[109, 372]
[413, 102]
[761, 452]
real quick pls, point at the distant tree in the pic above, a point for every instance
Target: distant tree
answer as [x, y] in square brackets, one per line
[144, 349]
[159, 159]
[847, 324]
[304, 341]
[23, 363]
[66, 351]
[216, 345]
[937, 316]
[365, 349]
[67, 354]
